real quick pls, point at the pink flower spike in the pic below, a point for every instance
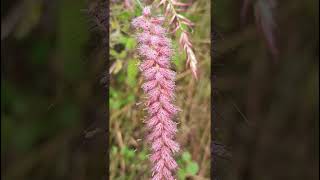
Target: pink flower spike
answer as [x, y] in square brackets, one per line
[149, 85]
[167, 73]
[163, 61]
[149, 73]
[155, 156]
[154, 108]
[167, 174]
[154, 94]
[152, 122]
[155, 52]
[173, 146]
[157, 144]
[138, 22]
[146, 65]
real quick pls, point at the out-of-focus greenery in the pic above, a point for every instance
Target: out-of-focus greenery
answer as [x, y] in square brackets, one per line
[266, 106]
[129, 154]
[132, 160]
[51, 98]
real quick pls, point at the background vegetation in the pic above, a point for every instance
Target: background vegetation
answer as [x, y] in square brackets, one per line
[266, 96]
[52, 101]
[128, 149]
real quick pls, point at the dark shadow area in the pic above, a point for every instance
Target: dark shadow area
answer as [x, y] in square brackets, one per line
[266, 90]
[53, 95]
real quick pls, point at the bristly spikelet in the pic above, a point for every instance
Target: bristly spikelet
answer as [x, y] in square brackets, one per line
[155, 51]
[178, 21]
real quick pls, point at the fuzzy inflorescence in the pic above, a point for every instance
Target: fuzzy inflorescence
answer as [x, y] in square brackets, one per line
[155, 51]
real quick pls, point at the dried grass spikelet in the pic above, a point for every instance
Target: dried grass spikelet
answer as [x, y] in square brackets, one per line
[155, 51]
[172, 9]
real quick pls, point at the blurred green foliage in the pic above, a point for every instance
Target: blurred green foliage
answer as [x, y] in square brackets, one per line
[187, 167]
[72, 36]
[265, 103]
[50, 92]
[134, 160]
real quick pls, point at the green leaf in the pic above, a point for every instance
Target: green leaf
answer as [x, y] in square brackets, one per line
[192, 168]
[132, 72]
[114, 104]
[186, 156]
[114, 150]
[130, 153]
[113, 93]
[114, 53]
[127, 153]
[122, 55]
[176, 60]
[130, 98]
[122, 77]
[137, 12]
[142, 156]
[178, 57]
[130, 44]
[124, 15]
[123, 150]
[182, 174]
